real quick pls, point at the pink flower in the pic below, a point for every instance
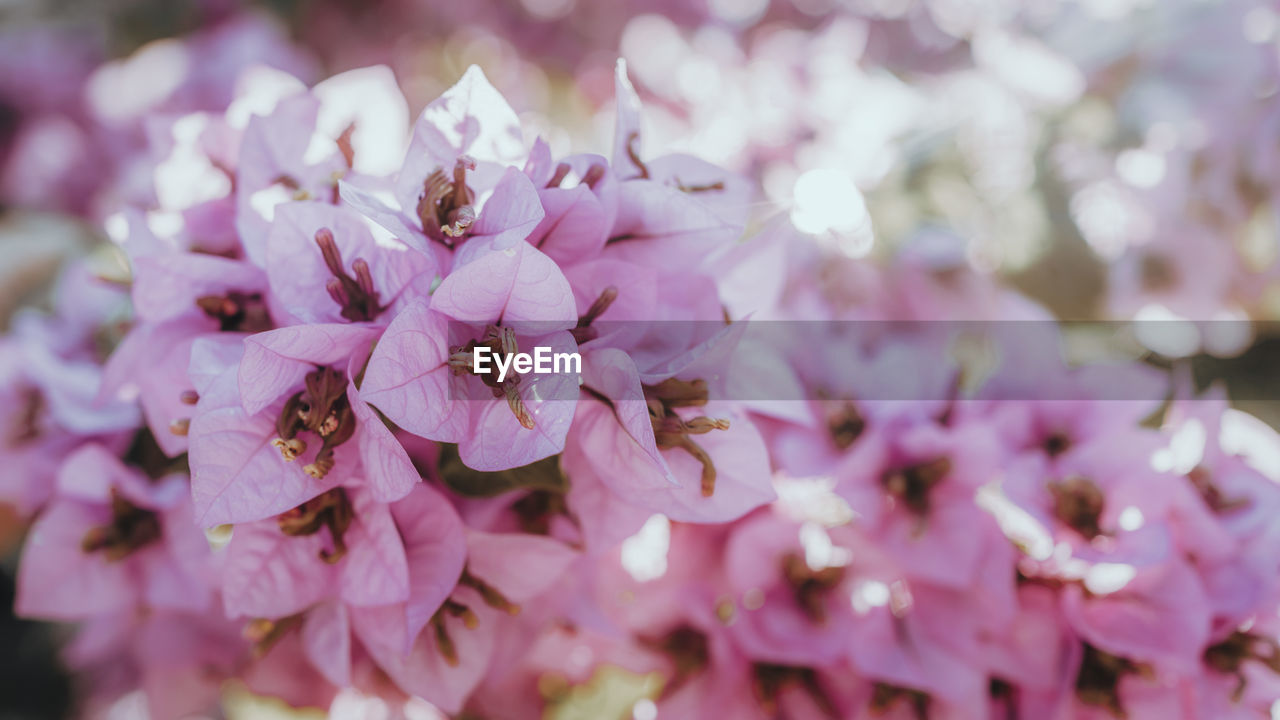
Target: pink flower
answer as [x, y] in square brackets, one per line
[111, 541]
[657, 440]
[284, 423]
[50, 373]
[178, 660]
[461, 182]
[178, 297]
[913, 483]
[347, 126]
[420, 376]
[579, 196]
[342, 571]
[339, 544]
[441, 648]
[674, 213]
[325, 265]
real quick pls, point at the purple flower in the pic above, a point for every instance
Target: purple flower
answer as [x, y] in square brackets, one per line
[658, 441]
[178, 660]
[579, 196]
[450, 636]
[285, 424]
[325, 265]
[420, 374]
[50, 374]
[111, 541]
[913, 484]
[681, 208]
[178, 297]
[341, 544]
[460, 184]
[349, 125]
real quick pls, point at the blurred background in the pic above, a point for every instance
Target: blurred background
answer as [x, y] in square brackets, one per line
[1107, 158]
[1110, 159]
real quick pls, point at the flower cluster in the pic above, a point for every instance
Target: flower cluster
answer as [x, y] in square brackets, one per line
[283, 469]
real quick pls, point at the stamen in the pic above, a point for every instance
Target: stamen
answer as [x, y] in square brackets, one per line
[679, 393]
[356, 296]
[516, 403]
[237, 311]
[288, 181]
[811, 587]
[461, 195]
[257, 630]
[507, 339]
[1202, 480]
[344, 145]
[289, 449]
[364, 279]
[329, 425]
[461, 219]
[1078, 504]
[499, 341]
[343, 429]
[1056, 444]
[704, 425]
[180, 426]
[332, 510]
[594, 174]
[885, 696]
[329, 251]
[770, 680]
[584, 332]
[1098, 682]
[263, 634]
[451, 608]
[689, 652]
[726, 611]
[319, 467]
[444, 644]
[462, 359]
[26, 426]
[337, 292]
[708, 479]
[719, 185]
[456, 609]
[562, 171]
[1229, 656]
[145, 455]
[131, 528]
[913, 485]
[189, 397]
[672, 431]
[492, 596]
[287, 426]
[326, 398]
[846, 425]
[632, 139]
[444, 207]
[335, 192]
[536, 510]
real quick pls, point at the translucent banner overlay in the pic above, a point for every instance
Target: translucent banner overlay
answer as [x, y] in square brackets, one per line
[761, 360]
